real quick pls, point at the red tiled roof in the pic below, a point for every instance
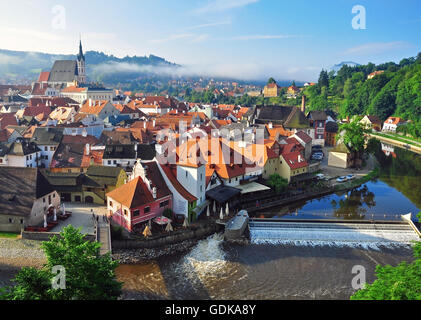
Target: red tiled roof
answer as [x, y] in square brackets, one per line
[176, 184]
[295, 160]
[304, 137]
[35, 111]
[7, 119]
[393, 120]
[43, 77]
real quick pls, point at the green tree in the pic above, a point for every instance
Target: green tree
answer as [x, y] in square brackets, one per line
[88, 276]
[402, 282]
[278, 183]
[353, 135]
[271, 80]
[323, 79]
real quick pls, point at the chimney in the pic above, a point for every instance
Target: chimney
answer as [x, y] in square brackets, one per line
[87, 149]
[153, 123]
[270, 125]
[144, 124]
[84, 133]
[303, 104]
[154, 192]
[90, 102]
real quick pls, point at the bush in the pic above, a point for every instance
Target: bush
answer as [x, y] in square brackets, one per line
[278, 183]
[168, 214]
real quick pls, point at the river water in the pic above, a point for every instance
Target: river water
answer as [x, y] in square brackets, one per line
[214, 269]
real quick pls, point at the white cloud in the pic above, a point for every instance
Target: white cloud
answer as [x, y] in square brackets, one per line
[241, 71]
[6, 59]
[208, 25]
[192, 38]
[223, 5]
[376, 48]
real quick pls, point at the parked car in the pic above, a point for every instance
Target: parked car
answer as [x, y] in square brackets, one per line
[321, 176]
[341, 179]
[317, 157]
[350, 177]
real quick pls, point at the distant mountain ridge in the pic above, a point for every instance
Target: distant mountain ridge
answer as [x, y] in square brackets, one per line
[26, 66]
[338, 66]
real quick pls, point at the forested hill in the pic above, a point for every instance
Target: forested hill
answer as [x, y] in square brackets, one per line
[396, 92]
[22, 66]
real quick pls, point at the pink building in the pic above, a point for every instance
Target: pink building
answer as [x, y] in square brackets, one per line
[143, 198]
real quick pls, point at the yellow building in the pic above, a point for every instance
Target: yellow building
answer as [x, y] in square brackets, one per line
[271, 90]
[292, 164]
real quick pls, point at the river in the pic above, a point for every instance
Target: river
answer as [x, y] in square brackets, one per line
[214, 269]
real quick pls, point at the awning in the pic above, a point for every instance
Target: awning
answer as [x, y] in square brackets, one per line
[252, 187]
[222, 194]
[162, 220]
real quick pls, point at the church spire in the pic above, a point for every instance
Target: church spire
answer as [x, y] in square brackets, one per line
[80, 55]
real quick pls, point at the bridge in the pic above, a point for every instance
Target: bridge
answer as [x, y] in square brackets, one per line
[103, 235]
[333, 232]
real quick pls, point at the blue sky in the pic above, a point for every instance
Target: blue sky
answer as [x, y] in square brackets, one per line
[239, 38]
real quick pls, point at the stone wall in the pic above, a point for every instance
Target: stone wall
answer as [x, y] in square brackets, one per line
[161, 241]
[46, 236]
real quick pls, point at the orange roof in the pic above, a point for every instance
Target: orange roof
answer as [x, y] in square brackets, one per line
[44, 76]
[95, 108]
[393, 120]
[132, 194]
[74, 89]
[95, 156]
[275, 132]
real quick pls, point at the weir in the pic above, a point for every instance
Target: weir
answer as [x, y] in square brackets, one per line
[330, 232]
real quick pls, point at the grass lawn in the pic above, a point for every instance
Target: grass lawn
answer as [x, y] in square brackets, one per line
[398, 138]
[9, 235]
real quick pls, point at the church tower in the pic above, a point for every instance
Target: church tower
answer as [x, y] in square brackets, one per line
[81, 65]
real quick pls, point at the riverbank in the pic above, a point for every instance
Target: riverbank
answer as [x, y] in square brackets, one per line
[407, 144]
[361, 179]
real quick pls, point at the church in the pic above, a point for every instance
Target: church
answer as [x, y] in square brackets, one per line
[67, 73]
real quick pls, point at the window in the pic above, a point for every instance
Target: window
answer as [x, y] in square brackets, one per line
[125, 212]
[111, 203]
[136, 213]
[45, 148]
[164, 204]
[187, 174]
[147, 210]
[21, 221]
[10, 220]
[109, 161]
[49, 199]
[43, 200]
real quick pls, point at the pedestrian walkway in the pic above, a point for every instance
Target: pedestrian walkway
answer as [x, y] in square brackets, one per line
[103, 234]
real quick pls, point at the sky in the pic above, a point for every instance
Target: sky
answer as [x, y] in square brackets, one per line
[246, 39]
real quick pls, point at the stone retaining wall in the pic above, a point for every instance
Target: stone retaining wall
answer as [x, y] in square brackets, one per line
[174, 238]
[46, 236]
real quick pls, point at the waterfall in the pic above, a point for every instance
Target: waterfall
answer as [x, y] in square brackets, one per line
[365, 236]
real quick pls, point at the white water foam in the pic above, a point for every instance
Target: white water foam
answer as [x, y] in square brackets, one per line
[206, 260]
[373, 237]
